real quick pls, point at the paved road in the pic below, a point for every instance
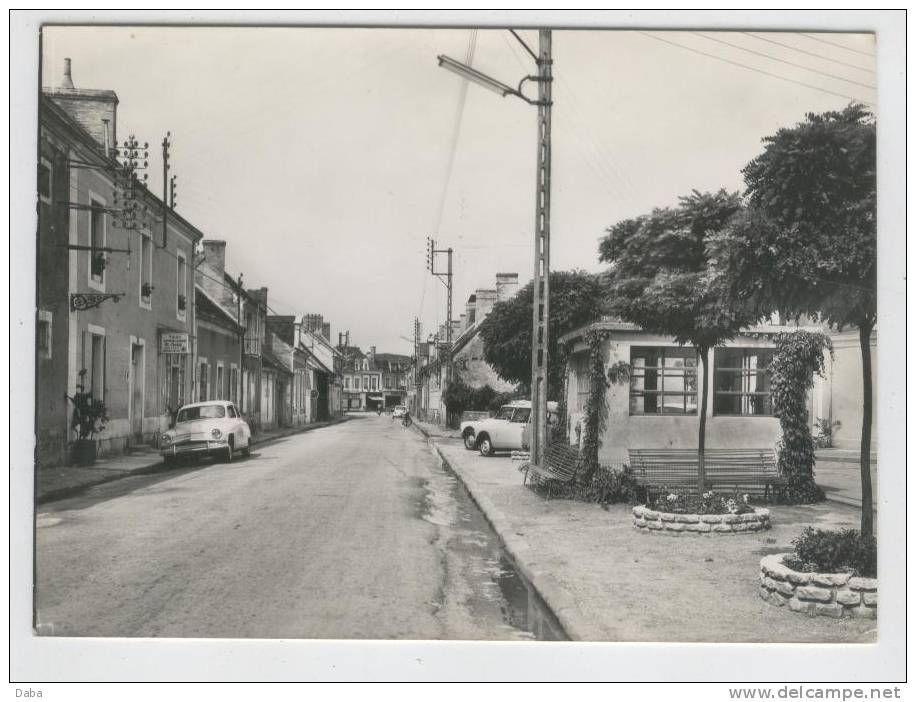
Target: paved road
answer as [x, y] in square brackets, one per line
[353, 531]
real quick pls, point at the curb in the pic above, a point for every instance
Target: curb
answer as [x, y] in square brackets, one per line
[160, 467]
[556, 599]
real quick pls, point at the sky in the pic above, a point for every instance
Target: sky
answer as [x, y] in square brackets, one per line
[325, 156]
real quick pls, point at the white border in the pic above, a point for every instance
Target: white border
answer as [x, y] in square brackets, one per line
[38, 659]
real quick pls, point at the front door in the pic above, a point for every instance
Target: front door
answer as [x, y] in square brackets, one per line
[136, 391]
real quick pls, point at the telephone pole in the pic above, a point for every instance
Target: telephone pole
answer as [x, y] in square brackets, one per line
[541, 305]
[165, 187]
[446, 279]
[541, 283]
[416, 360]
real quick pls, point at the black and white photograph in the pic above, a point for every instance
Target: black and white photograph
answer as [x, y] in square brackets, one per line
[486, 328]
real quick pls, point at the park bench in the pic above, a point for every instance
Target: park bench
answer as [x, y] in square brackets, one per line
[749, 470]
[561, 463]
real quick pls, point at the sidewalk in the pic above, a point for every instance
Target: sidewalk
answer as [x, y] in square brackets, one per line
[605, 582]
[66, 481]
[837, 472]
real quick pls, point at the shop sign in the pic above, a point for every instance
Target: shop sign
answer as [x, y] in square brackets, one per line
[174, 342]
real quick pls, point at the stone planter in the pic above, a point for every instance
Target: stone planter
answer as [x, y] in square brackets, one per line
[84, 452]
[648, 521]
[817, 594]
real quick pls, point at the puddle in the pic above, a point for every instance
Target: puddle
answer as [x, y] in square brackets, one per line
[482, 580]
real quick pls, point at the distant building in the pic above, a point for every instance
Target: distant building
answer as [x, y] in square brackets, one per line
[373, 380]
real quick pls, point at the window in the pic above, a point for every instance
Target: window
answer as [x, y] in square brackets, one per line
[219, 382]
[146, 270]
[231, 411]
[44, 180]
[346, 382]
[388, 382]
[181, 300]
[365, 382]
[583, 381]
[741, 383]
[43, 335]
[521, 415]
[663, 380]
[375, 382]
[234, 383]
[189, 414]
[505, 412]
[97, 258]
[94, 363]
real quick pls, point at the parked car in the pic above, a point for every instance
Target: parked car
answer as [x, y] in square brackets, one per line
[399, 411]
[508, 430]
[206, 429]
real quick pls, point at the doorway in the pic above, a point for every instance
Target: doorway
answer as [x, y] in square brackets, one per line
[137, 383]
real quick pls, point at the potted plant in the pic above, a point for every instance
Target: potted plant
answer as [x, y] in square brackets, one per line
[146, 290]
[89, 416]
[182, 303]
[98, 264]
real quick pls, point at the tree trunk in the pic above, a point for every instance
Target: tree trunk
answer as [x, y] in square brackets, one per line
[704, 394]
[867, 528]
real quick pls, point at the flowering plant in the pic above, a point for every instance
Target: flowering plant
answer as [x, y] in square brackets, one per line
[682, 501]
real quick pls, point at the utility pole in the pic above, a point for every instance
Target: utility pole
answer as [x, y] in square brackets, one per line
[416, 361]
[446, 279]
[541, 304]
[541, 282]
[165, 187]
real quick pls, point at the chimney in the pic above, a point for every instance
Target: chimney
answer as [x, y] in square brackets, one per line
[484, 303]
[215, 255]
[96, 111]
[470, 309]
[67, 82]
[371, 354]
[506, 286]
[464, 322]
[326, 330]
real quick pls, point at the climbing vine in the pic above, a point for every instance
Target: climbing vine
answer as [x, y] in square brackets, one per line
[799, 355]
[596, 406]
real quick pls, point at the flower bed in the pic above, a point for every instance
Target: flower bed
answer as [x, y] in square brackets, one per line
[674, 524]
[817, 594]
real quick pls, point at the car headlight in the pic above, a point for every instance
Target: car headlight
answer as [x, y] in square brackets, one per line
[165, 439]
[216, 434]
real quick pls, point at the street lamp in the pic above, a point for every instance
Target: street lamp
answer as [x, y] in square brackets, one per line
[540, 311]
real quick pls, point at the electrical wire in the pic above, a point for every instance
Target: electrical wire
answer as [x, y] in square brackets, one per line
[808, 53]
[756, 70]
[770, 57]
[839, 46]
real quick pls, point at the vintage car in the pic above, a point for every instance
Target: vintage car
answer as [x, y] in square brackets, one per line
[399, 412]
[508, 430]
[214, 428]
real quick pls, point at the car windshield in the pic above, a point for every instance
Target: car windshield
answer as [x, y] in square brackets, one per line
[400, 407]
[505, 412]
[189, 414]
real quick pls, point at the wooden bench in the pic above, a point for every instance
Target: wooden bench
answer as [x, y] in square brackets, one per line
[561, 463]
[749, 470]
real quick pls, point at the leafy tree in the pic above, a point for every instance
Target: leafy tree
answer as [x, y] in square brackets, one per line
[576, 298]
[662, 280]
[808, 244]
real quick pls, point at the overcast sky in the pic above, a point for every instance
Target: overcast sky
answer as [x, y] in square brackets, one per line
[322, 155]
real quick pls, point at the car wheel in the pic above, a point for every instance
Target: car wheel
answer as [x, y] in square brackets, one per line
[169, 460]
[469, 441]
[230, 453]
[486, 448]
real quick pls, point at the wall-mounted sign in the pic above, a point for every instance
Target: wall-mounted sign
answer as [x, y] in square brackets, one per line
[174, 342]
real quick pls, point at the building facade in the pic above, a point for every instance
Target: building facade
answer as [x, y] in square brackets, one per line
[115, 294]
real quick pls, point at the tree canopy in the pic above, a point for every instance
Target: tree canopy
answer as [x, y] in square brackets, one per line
[576, 299]
[663, 280]
[808, 244]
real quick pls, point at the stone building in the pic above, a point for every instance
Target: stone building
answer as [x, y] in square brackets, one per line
[115, 297]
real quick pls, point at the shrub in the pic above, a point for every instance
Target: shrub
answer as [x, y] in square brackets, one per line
[685, 502]
[827, 551]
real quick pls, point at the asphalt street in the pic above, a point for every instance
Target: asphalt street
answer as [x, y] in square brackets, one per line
[352, 531]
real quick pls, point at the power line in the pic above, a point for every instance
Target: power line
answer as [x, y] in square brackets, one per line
[788, 63]
[809, 53]
[756, 70]
[839, 46]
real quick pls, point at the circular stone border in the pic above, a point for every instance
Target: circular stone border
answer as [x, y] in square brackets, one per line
[649, 521]
[817, 594]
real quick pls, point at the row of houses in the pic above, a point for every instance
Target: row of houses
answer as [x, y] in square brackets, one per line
[136, 307]
[371, 380]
